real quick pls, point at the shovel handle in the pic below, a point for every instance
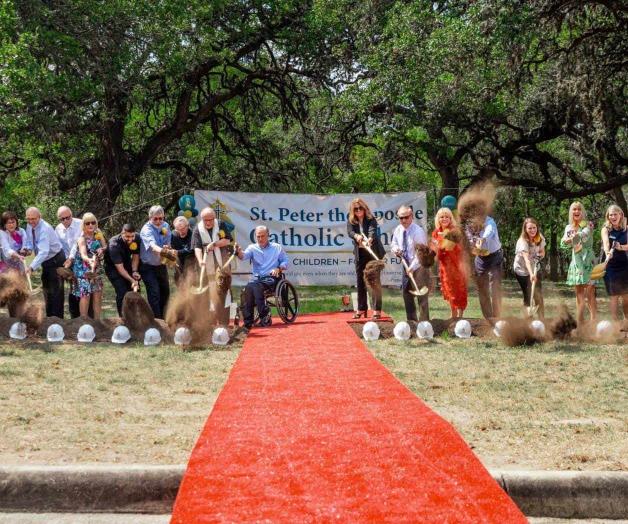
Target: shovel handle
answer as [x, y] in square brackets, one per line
[203, 269]
[368, 248]
[406, 267]
[30, 283]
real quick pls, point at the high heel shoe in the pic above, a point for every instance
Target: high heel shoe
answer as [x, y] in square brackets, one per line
[358, 314]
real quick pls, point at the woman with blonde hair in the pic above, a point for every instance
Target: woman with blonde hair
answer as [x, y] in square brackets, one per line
[447, 243]
[529, 252]
[615, 242]
[578, 237]
[88, 266]
[362, 229]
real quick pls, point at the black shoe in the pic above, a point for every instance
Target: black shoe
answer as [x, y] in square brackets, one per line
[266, 321]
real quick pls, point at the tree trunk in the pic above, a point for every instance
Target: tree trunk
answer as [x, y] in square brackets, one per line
[620, 199]
[554, 260]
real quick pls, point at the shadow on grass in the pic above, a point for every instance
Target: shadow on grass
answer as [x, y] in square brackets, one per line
[569, 347]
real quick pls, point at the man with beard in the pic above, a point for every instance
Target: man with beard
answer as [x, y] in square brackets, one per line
[122, 262]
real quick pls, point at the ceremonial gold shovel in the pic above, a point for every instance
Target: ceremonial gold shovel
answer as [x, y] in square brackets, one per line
[200, 289]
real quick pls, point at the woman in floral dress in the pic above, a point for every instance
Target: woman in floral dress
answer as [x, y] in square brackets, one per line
[447, 243]
[578, 237]
[88, 267]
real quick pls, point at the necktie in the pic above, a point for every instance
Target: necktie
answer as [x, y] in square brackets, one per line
[404, 246]
[35, 248]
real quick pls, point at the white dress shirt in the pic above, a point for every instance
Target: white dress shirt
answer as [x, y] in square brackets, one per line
[69, 236]
[415, 235]
[46, 244]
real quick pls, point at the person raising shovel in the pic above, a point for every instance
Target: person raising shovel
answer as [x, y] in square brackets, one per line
[210, 242]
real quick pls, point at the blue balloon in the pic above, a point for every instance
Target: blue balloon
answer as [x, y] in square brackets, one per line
[180, 213]
[448, 201]
[194, 212]
[187, 202]
[192, 222]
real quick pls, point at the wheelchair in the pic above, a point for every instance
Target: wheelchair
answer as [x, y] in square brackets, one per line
[284, 298]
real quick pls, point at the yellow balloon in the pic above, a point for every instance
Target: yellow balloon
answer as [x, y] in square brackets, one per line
[187, 213]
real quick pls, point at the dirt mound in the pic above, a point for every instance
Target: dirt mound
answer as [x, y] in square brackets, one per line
[33, 315]
[425, 255]
[561, 328]
[223, 284]
[519, 332]
[480, 327]
[137, 314]
[13, 292]
[191, 310]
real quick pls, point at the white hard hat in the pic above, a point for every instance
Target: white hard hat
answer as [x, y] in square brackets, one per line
[182, 336]
[55, 333]
[86, 333]
[370, 331]
[462, 329]
[604, 328]
[538, 328]
[152, 337]
[18, 330]
[121, 335]
[220, 336]
[500, 325]
[402, 331]
[425, 330]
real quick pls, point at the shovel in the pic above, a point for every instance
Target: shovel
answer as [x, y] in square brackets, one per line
[228, 262]
[200, 289]
[533, 309]
[418, 292]
[599, 270]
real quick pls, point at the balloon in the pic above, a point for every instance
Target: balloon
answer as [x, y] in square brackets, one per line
[187, 213]
[448, 201]
[192, 222]
[194, 212]
[181, 213]
[187, 202]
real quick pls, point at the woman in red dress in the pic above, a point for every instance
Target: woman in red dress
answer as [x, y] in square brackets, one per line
[447, 242]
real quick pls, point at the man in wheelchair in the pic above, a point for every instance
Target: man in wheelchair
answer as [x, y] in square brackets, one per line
[269, 262]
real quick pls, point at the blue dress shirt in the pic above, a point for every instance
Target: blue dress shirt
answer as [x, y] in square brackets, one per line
[46, 245]
[266, 259]
[153, 236]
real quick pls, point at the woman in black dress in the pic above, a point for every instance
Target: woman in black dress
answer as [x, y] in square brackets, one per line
[615, 239]
[362, 229]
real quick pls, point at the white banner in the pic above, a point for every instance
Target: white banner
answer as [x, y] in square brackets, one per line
[312, 229]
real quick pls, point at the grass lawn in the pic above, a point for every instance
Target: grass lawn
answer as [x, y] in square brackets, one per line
[556, 406]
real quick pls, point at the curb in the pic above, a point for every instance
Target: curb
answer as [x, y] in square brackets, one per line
[153, 489]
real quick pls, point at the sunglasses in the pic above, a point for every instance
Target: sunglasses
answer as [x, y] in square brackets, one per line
[358, 208]
[63, 219]
[404, 217]
[90, 223]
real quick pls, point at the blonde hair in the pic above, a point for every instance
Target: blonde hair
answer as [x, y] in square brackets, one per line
[90, 217]
[572, 207]
[445, 211]
[614, 208]
[359, 202]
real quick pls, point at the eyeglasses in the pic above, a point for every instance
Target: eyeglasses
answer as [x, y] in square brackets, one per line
[159, 219]
[91, 223]
[208, 219]
[63, 219]
[358, 208]
[404, 217]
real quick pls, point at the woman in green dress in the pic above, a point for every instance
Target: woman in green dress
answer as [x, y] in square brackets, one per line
[579, 238]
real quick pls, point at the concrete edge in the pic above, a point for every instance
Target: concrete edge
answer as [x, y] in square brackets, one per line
[153, 489]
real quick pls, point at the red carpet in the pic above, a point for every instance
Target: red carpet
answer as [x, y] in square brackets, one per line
[310, 427]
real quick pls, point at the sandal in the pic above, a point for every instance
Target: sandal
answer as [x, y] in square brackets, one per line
[358, 314]
[377, 316]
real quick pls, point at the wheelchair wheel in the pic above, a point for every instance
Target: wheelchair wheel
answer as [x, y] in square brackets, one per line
[286, 301]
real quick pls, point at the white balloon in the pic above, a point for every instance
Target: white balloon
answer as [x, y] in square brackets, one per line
[152, 337]
[182, 336]
[538, 328]
[55, 333]
[462, 329]
[121, 335]
[18, 331]
[402, 331]
[86, 333]
[370, 331]
[220, 336]
[499, 327]
[425, 330]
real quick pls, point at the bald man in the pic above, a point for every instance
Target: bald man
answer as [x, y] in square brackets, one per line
[44, 242]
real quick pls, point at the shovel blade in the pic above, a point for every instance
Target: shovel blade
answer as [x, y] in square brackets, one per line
[423, 291]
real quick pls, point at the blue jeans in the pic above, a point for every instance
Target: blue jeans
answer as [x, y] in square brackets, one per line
[157, 287]
[254, 297]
